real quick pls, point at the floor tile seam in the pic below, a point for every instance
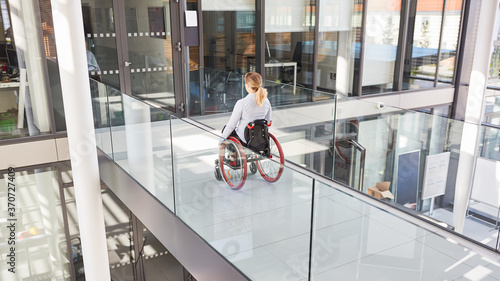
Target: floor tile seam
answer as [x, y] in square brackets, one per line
[277, 207]
[344, 205]
[452, 256]
[486, 263]
[395, 229]
[249, 216]
[347, 206]
[276, 257]
[288, 238]
[360, 258]
[335, 225]
[258, 213]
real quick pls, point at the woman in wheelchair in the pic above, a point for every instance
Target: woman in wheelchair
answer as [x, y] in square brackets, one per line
[252, 107]
[248, 127]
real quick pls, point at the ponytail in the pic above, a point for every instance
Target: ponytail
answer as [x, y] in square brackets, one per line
[254, 80]
[260, 96]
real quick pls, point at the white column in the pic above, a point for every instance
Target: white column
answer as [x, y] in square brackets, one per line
[473, 113]
[72, 57]
[343, 84]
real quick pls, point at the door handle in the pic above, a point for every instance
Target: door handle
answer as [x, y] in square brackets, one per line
[127, 63]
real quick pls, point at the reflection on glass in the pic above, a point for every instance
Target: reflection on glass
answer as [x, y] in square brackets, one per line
[449, 41]
[423, 43]
[290, 42]
[381, 44]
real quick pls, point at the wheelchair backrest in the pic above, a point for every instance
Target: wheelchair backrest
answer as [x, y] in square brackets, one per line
[257, 136]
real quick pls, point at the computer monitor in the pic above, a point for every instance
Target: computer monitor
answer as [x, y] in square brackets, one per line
[12, 57]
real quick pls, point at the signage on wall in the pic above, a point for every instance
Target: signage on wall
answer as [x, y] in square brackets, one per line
[435, 175]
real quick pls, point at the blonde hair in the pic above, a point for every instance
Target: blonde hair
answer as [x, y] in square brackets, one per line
[254, 81]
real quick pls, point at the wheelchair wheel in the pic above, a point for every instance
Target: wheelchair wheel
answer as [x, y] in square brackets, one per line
[271, 170]
[233, 163]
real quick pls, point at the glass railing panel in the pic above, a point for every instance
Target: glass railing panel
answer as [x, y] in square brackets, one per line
[490, 142]
[354, 240]
[412, 159]
[359, 126]
[262, 228]
[102, 122]
[141, 144]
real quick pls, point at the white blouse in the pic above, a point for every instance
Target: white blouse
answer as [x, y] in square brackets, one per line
[245, 111]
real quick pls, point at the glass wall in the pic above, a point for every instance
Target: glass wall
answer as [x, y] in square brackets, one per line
[449, 41]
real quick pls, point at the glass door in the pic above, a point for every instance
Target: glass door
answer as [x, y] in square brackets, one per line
[148, 52]
[100, 40]
[135, 46]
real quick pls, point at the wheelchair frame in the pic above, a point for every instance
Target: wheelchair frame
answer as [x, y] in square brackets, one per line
[234, 171]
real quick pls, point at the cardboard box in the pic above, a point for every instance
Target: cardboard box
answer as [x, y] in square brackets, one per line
[383, 186]
[375, 192]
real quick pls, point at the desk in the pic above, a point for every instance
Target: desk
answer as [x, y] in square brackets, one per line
[283, 64]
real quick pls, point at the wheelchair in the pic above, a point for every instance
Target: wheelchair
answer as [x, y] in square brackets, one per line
[266, 156]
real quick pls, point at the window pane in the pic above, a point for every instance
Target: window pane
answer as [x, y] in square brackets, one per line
[423, 43]
[449, 41]
[494, 73]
